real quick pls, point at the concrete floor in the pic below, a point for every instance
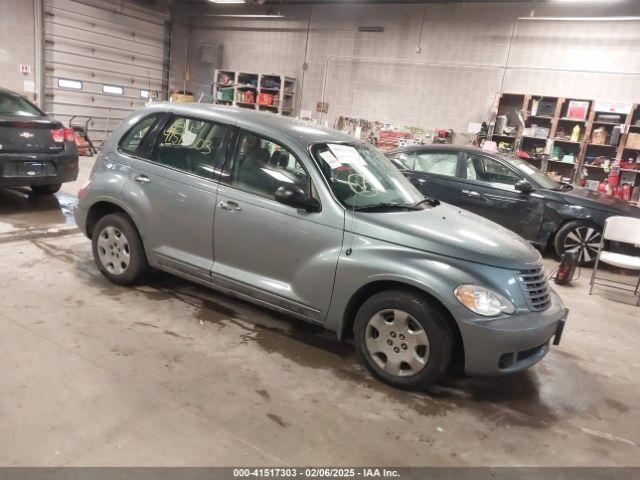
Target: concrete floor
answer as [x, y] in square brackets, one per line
[173, 374]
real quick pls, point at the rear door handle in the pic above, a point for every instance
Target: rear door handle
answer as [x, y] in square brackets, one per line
[142, 179]
[471, 193]
[229, 205]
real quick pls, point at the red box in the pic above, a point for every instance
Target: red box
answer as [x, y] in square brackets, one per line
[265, 99]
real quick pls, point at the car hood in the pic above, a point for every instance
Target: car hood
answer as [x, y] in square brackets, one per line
[449, 231]
[600, 201]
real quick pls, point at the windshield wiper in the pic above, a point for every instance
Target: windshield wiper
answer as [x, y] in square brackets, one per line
[375, 206]
[430, 200]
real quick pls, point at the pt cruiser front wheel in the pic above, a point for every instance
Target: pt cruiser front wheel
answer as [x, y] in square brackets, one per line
[403, 340]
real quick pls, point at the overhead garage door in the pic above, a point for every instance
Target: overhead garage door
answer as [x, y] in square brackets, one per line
[102, 58]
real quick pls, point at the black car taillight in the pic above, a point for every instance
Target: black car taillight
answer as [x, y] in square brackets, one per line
[60, 135]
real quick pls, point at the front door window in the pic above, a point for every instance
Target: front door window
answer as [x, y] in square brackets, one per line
[488, 170]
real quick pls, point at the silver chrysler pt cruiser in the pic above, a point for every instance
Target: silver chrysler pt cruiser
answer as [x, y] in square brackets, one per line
[321, 226]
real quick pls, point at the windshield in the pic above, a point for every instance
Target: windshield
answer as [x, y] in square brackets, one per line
[536, 175]
[361, 176]
[11, 104]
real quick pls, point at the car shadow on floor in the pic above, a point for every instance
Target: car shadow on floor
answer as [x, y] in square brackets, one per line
[514, 398]
[41, 210]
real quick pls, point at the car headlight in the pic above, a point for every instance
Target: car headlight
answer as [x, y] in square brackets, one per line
[483, 301]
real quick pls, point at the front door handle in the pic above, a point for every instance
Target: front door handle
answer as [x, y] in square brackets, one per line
[471, 193]
[229, 205]
[142, 179]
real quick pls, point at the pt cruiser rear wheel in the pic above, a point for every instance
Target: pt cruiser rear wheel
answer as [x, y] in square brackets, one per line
[403, 340]
[118, 250]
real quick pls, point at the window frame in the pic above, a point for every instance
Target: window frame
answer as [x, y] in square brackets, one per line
[150, 141]
[231, 156]
[498, 185]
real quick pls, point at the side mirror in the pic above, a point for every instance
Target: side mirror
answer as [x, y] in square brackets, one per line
[523, 186]
[294, 196]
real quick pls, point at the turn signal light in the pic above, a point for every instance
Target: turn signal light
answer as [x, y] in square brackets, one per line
[60, 135]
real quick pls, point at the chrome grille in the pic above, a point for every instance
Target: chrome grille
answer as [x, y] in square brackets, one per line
[535, 287]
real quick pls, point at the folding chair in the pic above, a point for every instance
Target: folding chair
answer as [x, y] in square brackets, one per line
[624, 230]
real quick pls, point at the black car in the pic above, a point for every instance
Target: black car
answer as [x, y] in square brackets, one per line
[514, 194]
[35, 150]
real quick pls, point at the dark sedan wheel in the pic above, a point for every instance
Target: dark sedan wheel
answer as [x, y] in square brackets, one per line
[582, 237]
[403, 340]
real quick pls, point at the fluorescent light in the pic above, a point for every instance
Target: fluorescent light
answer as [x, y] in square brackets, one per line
[583, 19]
[267, 15]
[227, 1]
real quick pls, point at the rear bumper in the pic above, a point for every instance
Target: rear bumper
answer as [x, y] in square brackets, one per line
[62, 168]
[512, 343]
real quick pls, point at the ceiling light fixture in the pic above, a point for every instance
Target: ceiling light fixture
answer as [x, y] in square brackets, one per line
[228, 1]
[583, 19]
[240, 15]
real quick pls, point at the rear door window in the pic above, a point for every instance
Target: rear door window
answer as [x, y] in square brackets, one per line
[438, 163]
[191, 145]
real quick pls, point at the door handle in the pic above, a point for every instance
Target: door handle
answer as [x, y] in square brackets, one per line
[229, 205]
[142, 179]
[471, 193]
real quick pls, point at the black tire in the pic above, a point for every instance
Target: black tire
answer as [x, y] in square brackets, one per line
[104, 236]
[46, 189]
[439, 335]
[580, 235]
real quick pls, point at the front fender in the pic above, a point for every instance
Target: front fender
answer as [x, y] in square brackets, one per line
[374, 261]
[557, 214]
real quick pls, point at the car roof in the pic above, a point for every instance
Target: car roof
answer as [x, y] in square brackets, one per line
[10, 92]
[434, 147]
[302, 132]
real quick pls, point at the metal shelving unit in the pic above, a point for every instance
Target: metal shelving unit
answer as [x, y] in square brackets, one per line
[560, 124]
[257, 91]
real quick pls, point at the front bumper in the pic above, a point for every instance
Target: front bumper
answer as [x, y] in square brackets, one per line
[80, 216]
[510, 343]
[26, 169]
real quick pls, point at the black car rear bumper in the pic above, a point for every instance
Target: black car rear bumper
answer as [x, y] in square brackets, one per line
[26, 169]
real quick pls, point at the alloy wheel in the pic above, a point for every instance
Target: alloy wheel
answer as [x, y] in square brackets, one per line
[397, 342]
[113, 250]
[584, 240]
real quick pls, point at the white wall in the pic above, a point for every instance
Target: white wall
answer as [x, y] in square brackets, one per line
[451, 80]
[17, 43]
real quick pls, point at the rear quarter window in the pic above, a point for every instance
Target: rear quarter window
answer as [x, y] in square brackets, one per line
[11, 104]
[132, 139]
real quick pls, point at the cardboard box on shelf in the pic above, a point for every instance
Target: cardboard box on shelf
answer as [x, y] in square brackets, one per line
[633, 140]
[599, 136]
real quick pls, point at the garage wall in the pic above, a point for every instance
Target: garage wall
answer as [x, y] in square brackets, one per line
[17, 44]
[446, 76]
[100, 42]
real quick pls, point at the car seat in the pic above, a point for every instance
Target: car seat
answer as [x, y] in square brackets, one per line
[279, 158]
